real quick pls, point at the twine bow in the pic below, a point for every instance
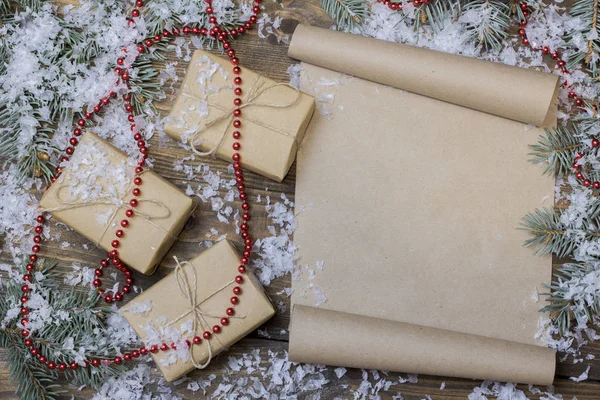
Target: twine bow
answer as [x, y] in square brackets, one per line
[189, 290]
[250, 100]
[117, 203]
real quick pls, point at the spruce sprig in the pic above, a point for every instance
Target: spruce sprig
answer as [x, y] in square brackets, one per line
[556, 149]
[346, 13]
[588, 12]
[85, 324]
[491, 29]
[564, 305]
[548, 234]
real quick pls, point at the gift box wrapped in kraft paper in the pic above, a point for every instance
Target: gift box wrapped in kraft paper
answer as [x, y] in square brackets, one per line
[412, 260]
[274, 116]
[190, 301]
[92, 196]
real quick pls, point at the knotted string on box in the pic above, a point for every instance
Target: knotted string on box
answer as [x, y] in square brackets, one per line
[257, 89]
[118, 204]
[189, 290]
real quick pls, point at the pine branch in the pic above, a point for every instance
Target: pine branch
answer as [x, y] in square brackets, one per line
[556, 149]
[346, 13]
[586, 11]
[548, 235]
[491, 27]
[573, 296]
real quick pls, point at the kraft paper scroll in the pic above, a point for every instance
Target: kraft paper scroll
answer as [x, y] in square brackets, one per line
[413, 205]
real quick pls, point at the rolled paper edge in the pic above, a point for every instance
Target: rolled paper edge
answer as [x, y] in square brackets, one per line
[336, 338]
[519, 94]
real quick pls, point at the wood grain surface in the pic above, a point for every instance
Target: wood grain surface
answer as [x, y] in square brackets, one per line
[268, 56]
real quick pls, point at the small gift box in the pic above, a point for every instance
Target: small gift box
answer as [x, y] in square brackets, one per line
[92, 196]
[191, 301]
[274, 116]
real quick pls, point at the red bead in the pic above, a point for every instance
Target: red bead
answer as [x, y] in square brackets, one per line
[234, 300]
[587, 183]
[28, 342]
[236, 146]
[256, 9]
[135, 13]
[212, 20]
[236, 157]
[34, 352]
[237, 123]
[62, 366]
[108, 298]
[153, 348]
[25, 289]
[97, 283]
[237, 112]
[27, 277]
[25, 332]
[554, 55]
[245, 206]
[237, 70]
[186, 30]
[42, 359]
[40, 219]
[136, 192]
[216, 329]
[561, 63]
[579, 175]
[207, 335]
[129, 213]
[105, 100]
[88, 115]
[230, 311]
[96, 362]
[74, 365]
[51, 364]
[197, 340]
[126, 289]
[204, 31]
[124, 223]
[35, 249]
[137, 180]
[173, 346]
[164, 347]
[143, 351]
[235, 61]
[69, 150]
[139, 3]
[115, 244]
[239, 279]
[77, 132]
[127, 356]
[209, 10]
[224, 321]
[246, 216]
[237, 290]
[81, 122]
[128, 107]
[120, 233]
[241, 30]
[237, 102]
[24, 299]
[118, 360]
[118, 296]
[39, 229]
[141, 49]
[73, 142]
[595, 142]
[148, 42]
[237, 80]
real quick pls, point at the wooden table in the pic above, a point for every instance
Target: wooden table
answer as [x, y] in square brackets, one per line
[268, 57]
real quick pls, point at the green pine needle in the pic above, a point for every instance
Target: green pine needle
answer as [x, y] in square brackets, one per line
[346, 13]
[588, 12]
[548, 235]
[556, 149]
[492, 29]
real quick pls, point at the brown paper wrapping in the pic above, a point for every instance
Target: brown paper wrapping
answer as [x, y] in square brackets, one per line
[270, 135]
[413, 204]
[519, 94]
[215, 267]
[146, 241]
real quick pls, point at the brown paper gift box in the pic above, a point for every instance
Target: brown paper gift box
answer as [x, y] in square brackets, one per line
[160, 216]
[270, 131]
[163, 313]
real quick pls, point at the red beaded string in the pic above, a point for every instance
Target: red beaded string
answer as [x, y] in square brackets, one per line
[122, 71]
[576, 168]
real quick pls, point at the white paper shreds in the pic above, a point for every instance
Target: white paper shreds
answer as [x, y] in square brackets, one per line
[135, 384]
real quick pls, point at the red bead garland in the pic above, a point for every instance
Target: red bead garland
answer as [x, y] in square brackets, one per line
[222, 35]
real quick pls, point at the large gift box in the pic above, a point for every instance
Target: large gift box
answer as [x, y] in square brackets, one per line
[274, 116]
[92, 196]
[191, 301]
